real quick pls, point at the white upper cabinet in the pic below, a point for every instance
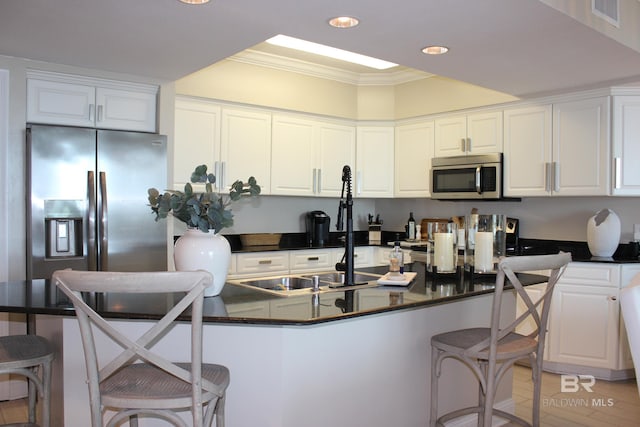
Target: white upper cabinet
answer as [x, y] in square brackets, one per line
[475, 133]
[626, 149]
[78, 101]
[234, 143]
[374, 161]
[245, 147]
[196, 138]
[560, 149]
[527, 150]
[308, 155]
[413, 154]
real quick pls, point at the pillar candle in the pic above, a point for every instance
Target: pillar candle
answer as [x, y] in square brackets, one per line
[443, 251]
[484, 251]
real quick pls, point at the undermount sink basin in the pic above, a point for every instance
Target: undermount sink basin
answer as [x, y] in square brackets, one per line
[285, 283]
[337, 277]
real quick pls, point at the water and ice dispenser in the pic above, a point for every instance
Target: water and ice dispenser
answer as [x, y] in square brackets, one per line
[63, 237]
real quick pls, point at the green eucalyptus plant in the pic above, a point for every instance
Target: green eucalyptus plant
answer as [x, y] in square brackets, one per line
[205, 211]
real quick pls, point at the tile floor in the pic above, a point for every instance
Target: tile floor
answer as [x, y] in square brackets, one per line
[614, 403]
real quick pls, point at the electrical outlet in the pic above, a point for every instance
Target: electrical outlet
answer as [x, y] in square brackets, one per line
[636, 232]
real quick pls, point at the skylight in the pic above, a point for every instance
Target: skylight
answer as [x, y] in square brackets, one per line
[331, 52]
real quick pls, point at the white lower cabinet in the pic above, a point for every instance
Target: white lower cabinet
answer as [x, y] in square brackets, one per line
[254, 264]
[311, 260]
[586, 333]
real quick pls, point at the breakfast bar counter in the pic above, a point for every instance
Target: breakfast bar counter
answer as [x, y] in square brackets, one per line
[341, 358]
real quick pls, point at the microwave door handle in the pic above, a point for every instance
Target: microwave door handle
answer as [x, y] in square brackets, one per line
[478, 183]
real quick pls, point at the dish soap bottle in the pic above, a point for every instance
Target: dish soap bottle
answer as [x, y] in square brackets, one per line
[396, 260]
[411, 227]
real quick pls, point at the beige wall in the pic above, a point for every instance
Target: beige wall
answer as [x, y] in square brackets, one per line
[252, 84]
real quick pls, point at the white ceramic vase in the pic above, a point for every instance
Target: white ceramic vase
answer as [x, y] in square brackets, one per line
[196, 250]
[603, 233]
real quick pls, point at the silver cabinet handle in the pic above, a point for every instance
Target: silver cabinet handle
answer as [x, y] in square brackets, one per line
[92, 112]
[264, 262]
[100, 113]
[463, 145]
[359, 186]
[617, 173]
[223, 183]
[91, 222]
[314, 182]
[319, 181]
[556, 176]
[547, 177]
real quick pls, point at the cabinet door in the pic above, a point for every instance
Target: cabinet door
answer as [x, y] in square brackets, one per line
[585, 327]
[374, 161]
[60, 103]
[336, 147]
[196, 138]
[413, 154]
[581, 147]
[450, 136]
[485, 133]
[125, 109]
[527, 150]
[292, 156]
[585, 314]
[626, 150]
[245, 147]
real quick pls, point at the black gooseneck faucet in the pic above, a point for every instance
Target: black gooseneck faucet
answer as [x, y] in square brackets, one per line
[347, 265]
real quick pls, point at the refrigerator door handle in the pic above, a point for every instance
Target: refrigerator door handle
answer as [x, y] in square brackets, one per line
[91, 222]
[102, 217]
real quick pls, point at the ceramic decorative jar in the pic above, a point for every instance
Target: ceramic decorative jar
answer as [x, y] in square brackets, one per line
[603, 233]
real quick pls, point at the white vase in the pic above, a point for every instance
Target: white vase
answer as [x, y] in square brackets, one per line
[603, 233]
[196, 250]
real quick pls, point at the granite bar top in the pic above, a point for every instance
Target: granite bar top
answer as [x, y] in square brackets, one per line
[241, 305]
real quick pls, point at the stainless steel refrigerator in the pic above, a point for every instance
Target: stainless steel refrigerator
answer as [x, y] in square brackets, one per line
[87, 205]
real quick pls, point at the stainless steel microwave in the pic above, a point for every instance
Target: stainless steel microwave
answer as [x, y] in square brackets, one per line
[467, 177]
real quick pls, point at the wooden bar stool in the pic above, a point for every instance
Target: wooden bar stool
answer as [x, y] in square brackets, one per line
[30, 356]
[491, 351]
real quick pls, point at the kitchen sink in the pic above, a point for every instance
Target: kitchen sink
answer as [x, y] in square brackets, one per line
[295, 284]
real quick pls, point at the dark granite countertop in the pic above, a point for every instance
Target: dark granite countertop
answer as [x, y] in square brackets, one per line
[240, 305]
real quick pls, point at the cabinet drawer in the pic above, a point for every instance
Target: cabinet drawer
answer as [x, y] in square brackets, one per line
[259, 263]
[591, 274]
[362, 256]
[308, 260]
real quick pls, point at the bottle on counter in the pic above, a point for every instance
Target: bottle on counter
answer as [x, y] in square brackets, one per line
[396, 259]
[411, 227]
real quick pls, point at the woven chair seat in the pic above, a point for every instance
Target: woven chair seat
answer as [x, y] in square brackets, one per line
[145, 386]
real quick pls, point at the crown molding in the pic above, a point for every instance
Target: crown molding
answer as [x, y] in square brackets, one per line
[282, 63]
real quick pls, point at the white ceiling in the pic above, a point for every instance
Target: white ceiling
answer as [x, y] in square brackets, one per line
[521, 47]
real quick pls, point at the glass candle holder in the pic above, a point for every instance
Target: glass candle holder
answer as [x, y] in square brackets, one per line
[442, 242]
[486, 242]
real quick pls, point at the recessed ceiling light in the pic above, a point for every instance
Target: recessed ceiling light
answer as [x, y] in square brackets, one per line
[343, 22]
[194, 1]
[331, 52]
[435, 50]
